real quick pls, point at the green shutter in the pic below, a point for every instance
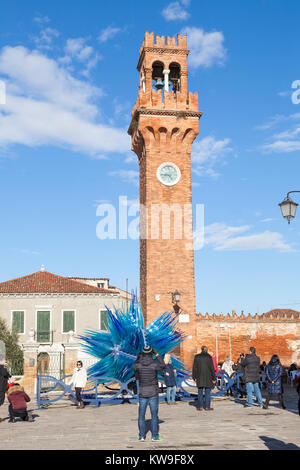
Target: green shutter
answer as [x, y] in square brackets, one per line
[103, 325]
[68, 321]
[18, 322]
[43, 327]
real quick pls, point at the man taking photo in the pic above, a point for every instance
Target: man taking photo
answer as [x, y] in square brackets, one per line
[146, 368]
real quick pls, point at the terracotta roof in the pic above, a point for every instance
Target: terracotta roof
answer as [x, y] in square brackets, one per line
[281, 313]
[45, 282]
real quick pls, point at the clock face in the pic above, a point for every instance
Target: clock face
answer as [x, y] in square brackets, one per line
[168, 174]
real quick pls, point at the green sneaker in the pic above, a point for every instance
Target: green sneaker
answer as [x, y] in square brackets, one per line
[141, 438]
[157, 438]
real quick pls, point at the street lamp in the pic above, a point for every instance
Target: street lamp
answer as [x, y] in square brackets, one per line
[175, 300]
[288, 207]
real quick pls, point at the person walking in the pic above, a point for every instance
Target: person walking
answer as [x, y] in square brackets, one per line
[205, 377]
[18, 400]
[251, 364]
[227, 367]
[239, 369]
[146, 368]
[79, 380]
[170, 380]
[274, 376]
[4, 376]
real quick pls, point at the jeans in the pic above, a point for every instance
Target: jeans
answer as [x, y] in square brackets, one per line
[17, 413]
[153, 403]
[78, 394]
[253, 388]
[171, 394]
[206, 397]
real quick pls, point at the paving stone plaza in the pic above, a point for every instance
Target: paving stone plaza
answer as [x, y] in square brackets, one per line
[229, 427]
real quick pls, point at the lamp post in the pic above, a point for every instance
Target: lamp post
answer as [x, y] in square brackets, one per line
[175, 300]
[229, 337]
[288, 207]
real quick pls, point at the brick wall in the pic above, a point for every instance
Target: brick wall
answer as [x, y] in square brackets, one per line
[276, 332]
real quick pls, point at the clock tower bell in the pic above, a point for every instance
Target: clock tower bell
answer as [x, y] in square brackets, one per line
[164, 125]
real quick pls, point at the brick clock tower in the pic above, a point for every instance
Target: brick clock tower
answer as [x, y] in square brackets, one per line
[164, 124]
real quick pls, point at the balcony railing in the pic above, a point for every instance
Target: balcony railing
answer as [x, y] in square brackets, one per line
[44, 336]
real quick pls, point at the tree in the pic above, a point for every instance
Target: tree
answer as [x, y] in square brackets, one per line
[14, 353]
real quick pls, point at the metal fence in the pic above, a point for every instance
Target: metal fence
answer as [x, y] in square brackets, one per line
[51, 390]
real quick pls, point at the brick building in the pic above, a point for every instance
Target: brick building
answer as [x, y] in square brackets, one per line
[274, 332]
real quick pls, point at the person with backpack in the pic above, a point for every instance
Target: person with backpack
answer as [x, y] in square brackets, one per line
[274, 376]
[146, 368]
[251, 364]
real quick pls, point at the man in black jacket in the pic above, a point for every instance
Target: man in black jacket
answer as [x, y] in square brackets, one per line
[146, 368]
[4, 376]
[251, 364]
[205, 376]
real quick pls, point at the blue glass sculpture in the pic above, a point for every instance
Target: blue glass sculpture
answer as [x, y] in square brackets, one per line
[118, 347]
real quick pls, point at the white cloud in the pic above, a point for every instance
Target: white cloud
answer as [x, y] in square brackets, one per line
[45, 38]
[128, 176]
[46, 105]
[226, 238]
[278, 119]
[108, 33]
[269, 219]
[207, 49]
[282, 146]
[76, 48]
[30, 252]
[285, 141]
[41, 19]
[208, 152]
[176, 11]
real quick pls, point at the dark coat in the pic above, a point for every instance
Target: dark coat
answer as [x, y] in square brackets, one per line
[146, 369]
[170, 379]
[4, 376]
[251, 365]
[274, 374]
[17, 397]
[239, 369]
[203, 370]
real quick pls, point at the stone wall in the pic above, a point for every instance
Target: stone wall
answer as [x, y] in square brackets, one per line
[275, 332]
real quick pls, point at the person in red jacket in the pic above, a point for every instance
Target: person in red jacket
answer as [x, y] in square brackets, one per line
[18, 407]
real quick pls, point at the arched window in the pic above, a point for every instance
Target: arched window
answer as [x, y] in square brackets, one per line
[174, 76]
[157, 74]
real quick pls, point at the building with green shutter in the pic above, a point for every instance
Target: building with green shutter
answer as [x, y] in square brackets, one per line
[49, 311]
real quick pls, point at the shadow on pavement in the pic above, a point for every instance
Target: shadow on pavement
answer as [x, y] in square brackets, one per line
[276, 444]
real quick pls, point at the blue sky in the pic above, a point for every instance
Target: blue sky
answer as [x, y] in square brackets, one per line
[71, 81]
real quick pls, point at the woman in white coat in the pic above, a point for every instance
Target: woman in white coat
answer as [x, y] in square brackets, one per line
[79, 380]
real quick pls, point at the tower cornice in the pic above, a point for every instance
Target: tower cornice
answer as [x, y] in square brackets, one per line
[178, 113]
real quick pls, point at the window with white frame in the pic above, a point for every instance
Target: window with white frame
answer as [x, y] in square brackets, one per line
[103, 320]
[18, 321]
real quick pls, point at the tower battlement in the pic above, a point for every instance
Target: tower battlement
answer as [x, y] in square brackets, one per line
[150, 40]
